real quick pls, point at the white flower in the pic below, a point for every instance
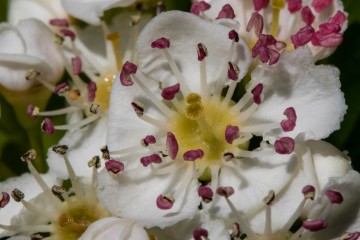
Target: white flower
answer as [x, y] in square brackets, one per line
[64, 214]
[91, 11]
[280, 210]
[95, 59]
[29, 45]
[194, 133]
[267, 24]
[42, 10]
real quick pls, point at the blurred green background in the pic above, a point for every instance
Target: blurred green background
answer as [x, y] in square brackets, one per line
[14, 140]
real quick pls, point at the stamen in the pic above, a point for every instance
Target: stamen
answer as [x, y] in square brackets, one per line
[76, 65]
[192, 155]
[303, 36]
[161, 43]
[225, 191]
[140, 79]
[195, 108]
[172, 145]
[114, 167]
[256, 92]
[4, 199]
[320, 5]
[338, 18]
[33, 74]
[309, 192]
[165, 202]
[149, 139]
[256, 21]
[169, 93]
[114, 38]
[17, 195]
[127, 69]
[226, 12]
[307, 15]
[294, 5]
[233, 71]
[32, 111]
[153, 158]
[91, 87]
[314, 225]
[105, 152]
[205, 193]
[284, 145]
[334, 196]
[78, 124]
[350, 236]
[59, 22]
[202, 52]
[199, 7]
[233, 35]
[290, 123]
[200, 234]
[62, 150]
[94, 162]
[47, 126]
[260, 4]
[68, 33]
[235, 231]
[160, 7]
[231, 133]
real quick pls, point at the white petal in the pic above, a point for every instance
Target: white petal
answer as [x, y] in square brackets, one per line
[185, 31]
[183, 230]
[344, 217]
[83, 144]
[41, 9]
[114, 228]
[90, 11]
[252, 180]
[27, 184]
[133, 195]
[314, 92]
[125, 129]
[32, 44]
[329, 162]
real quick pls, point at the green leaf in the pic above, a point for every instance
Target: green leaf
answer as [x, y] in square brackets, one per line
[353, 8]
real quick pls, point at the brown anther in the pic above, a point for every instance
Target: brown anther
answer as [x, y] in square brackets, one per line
[58, 191]
[60, 149]
[113, 36]
[94, 162]
[74, 94]
[269, 198]
[59, 40]
[28, 156]
[17, 195]
[36, 236]
[134, 19]
[105, 152]
[94, 108]
[32, 74]
[138, 107]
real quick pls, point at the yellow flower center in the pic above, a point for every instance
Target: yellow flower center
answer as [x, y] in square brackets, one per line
[202, 126]
[77, 216]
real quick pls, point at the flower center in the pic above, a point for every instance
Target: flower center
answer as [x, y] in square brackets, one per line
[77, 216]
[202, 126]
[103, 91]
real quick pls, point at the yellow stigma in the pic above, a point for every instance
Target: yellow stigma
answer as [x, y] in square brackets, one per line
[76, 217]
[279, 4]
[114, 38]
[194, 109]
[276, 5]
[207, 131]
[104, 85]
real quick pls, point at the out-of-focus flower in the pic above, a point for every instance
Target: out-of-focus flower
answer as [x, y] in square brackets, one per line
[62, 213]
[42, 10]
[271, 26]
[28, 46]
[92, 56]
[193, 133]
